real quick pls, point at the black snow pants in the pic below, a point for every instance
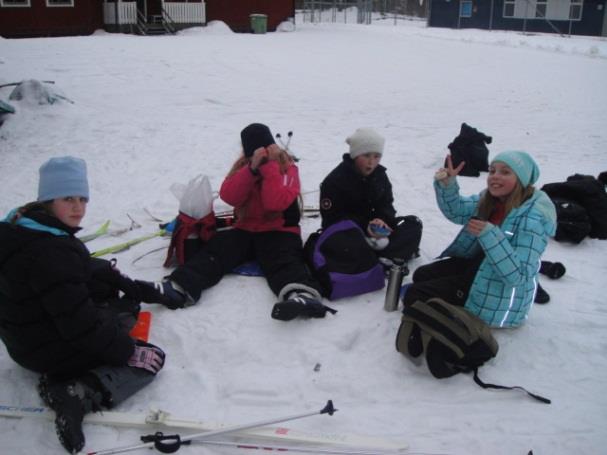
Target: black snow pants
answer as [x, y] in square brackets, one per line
[279, 254]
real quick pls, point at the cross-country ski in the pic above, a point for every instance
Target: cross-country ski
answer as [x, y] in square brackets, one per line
[158, 419]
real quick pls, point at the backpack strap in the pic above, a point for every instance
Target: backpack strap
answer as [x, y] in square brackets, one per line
[484, 385]
[203, 228]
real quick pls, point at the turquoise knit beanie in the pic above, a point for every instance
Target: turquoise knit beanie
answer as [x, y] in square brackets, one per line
[61, 177]
[525, 168]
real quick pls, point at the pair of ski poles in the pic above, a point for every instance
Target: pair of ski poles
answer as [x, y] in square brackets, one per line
[159, 440]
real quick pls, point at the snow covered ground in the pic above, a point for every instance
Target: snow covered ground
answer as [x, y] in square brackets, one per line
[151, 111]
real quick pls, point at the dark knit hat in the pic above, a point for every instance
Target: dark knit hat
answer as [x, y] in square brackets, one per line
[254, 136]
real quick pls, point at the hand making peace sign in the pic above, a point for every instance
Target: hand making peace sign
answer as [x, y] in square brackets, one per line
[443, 174]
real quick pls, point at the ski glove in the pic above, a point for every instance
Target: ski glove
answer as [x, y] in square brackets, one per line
[300, 306]
[147, 356]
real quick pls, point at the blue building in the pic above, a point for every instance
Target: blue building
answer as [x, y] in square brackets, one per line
[567, 17]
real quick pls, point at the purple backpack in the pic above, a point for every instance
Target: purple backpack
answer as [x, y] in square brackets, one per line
[343, 262]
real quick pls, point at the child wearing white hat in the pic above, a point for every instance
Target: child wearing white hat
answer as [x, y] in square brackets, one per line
[359, 189]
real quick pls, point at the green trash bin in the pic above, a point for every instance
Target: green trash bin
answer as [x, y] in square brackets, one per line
[259, 23]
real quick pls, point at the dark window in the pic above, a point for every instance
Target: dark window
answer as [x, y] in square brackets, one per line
[540, 8]
[15, 3]
[508, 9]
[575, 10]
[59, 2]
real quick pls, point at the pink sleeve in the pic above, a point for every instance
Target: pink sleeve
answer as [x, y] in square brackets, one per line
[235, 189]
[278, 191]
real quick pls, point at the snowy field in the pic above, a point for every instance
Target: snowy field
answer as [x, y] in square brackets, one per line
[151, 111]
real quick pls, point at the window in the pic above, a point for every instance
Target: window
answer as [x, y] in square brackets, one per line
[15, 3]
[52, 3]
[553, 10]
[465, 9]
[509, 8]
[540, 8]
[575, 10]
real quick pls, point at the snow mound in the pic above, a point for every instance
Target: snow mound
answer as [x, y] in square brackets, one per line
[286, 26]
[218, 28]
[33, 92]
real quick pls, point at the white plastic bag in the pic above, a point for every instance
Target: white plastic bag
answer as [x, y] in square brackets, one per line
[195, 198]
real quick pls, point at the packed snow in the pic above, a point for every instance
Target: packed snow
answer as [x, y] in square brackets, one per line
[148, 112]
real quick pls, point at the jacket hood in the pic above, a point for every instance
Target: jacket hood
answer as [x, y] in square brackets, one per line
[40, 221]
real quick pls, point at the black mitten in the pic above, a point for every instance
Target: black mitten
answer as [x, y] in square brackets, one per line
[300, 306]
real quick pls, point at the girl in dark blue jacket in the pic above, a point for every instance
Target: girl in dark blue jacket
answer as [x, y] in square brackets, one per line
[60, 314]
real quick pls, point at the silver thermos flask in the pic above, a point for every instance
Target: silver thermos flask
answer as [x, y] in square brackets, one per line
[395, 279]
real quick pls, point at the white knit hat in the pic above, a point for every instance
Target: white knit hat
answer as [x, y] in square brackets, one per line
[365, 140]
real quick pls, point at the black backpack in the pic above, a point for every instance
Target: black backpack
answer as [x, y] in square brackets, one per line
[454, 340]
[343, 262]
[572, 221]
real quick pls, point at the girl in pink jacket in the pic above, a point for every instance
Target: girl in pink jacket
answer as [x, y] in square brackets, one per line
[263, 187]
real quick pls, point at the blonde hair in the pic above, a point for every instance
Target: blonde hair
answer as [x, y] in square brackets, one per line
[284, 161]
[515, 199]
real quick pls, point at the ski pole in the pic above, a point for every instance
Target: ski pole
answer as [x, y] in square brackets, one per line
[156, 440]
[303, 449]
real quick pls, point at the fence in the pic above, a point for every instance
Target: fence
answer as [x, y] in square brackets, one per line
[361, 11]
[186, 13]
[126, 11]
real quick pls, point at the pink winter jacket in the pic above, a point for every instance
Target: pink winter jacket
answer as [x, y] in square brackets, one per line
[268, 201]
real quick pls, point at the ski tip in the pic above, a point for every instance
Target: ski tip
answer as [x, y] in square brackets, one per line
[328, 409]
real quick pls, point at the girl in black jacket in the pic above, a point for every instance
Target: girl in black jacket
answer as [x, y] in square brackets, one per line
[358, 189]
[60, 314]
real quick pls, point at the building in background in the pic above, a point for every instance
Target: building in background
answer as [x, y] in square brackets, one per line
[31, 18]
[566, 17]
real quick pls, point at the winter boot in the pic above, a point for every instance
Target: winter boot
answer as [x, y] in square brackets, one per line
[541, 296]
[300, 303]
[70, 400]
[166, 293]
[553, 270]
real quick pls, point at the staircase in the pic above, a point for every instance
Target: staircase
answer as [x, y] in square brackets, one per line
[156, 24]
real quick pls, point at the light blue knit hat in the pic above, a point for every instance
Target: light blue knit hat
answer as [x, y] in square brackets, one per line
[525, 168]
[61, 177]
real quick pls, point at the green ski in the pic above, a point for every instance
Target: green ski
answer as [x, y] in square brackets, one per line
[98, 233]
[126, 245]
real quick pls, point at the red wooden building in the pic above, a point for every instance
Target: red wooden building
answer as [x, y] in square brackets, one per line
[236, 13]
[30, 18]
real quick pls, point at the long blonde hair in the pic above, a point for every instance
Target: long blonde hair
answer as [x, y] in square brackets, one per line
[515, 199]
[284, 161]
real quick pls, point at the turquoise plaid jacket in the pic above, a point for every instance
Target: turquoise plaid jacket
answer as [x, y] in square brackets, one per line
[504, 286]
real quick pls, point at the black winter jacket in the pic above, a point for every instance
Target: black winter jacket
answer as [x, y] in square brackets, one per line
[48, 320]
[346, 194]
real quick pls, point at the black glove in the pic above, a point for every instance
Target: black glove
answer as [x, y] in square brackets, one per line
[553, 270]
[290, 309]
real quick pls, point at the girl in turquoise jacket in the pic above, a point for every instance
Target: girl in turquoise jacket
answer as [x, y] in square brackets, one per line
[491, 267]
